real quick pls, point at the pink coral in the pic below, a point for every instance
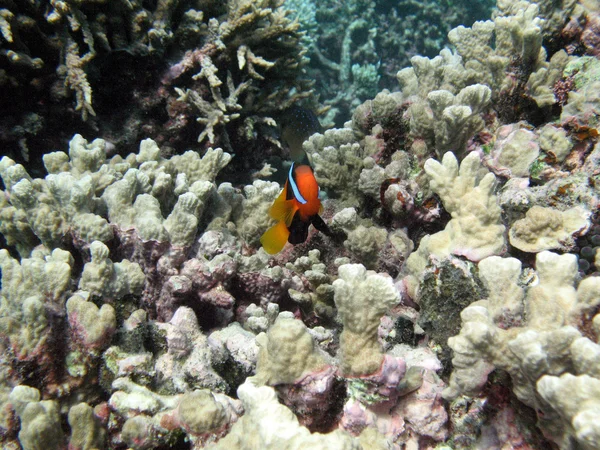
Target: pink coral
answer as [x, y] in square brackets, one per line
[590, 37]
[424, 410]
[313, 399]
[373, 398]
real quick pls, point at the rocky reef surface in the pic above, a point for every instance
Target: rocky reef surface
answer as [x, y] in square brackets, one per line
[462, 309]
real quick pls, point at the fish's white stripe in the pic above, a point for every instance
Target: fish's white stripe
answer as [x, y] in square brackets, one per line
[295, 189]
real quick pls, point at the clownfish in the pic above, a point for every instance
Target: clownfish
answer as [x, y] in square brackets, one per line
[295, 209]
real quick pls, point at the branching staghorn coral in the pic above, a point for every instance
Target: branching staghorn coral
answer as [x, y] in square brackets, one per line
[241, 64]
[38, 34]
[255, 43]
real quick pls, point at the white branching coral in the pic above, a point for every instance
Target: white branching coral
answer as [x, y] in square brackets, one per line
[76, 79]
[265, 41]
[531, 333]
[475, 230]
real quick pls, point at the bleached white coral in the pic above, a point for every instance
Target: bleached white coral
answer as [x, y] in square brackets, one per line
[475, 230]
[548, 229]
[481, 66]
[182, 223]
[162, 199]
[362, 298]
[269, 425]
[577, 399]
[530, 332]
[202, 168]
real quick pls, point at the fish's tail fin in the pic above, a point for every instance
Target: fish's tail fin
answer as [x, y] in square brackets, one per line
[275, 238]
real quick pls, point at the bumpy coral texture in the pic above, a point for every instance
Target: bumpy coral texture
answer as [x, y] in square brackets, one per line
[361, 297]
[475, 230]
[531, 332]
[286, 353]
[548, 229]
[136, 299]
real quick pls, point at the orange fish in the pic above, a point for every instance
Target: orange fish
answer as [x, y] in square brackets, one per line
[295, 209]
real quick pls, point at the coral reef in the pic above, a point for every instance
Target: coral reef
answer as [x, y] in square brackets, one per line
[361, 298]
[182, 71]
[530, 332]
[455, 302]
[352, 58]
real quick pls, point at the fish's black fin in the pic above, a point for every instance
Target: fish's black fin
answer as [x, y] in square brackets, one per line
[337, 236]
[298, 230]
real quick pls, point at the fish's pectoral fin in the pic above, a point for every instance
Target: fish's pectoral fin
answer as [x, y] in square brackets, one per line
[282, 208]
[283, 211]
[337, 236]
[320, 225]
[298, 230]
[275, 238]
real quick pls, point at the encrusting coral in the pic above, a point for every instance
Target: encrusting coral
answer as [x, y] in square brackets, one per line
[548, 229]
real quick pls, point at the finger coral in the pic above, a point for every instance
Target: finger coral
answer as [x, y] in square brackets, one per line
[475, 230]
[531, 332]
[137, 306]
[361, 297]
